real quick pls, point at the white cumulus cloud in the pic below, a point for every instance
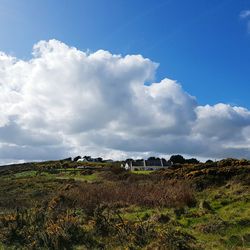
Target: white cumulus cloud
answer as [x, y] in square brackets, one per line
[64, 102]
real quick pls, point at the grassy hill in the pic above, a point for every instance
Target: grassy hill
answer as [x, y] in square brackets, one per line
[54, 205]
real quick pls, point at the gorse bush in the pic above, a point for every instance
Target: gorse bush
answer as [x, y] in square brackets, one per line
[38, 229]
[173, 239]
[139, 234]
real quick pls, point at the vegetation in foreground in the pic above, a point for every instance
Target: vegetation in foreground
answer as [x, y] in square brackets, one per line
[53, 205]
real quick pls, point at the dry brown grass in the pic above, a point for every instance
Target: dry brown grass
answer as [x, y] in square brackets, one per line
[148, 194]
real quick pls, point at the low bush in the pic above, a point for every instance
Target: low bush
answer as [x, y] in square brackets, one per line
[171, 238]
[215, 226]
[149, 194]
[39, 229]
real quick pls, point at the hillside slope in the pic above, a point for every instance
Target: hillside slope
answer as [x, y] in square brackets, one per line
[53, 205]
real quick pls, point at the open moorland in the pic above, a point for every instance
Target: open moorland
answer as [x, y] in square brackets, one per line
[55, 205]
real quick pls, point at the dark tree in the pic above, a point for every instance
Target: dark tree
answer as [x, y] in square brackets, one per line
[129, 160]
[209, 161]
[99, 159]
[77, 158]
[177, 159]
[192, 161]
[88, 158]
[152, 158]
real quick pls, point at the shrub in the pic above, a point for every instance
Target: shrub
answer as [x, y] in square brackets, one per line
[173, 239]
[37, 228]
[109, 223]
[88, 196]
[215, 226]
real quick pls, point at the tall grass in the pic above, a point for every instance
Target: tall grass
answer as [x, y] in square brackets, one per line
[148, 194]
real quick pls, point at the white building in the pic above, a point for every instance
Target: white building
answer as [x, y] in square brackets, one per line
[82, 160]
[147, 165]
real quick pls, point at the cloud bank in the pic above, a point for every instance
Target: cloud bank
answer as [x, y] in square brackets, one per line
[64, 102]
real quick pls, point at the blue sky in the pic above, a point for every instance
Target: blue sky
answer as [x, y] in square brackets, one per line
[202, 44]
[80, 77]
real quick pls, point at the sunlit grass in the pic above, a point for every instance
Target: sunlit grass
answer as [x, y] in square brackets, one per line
[26, 174]
[79, 177]
[142, 172]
